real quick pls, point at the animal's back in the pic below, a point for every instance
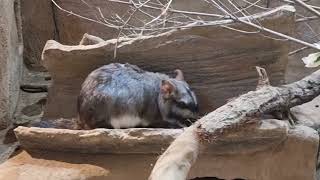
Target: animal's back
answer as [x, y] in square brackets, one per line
[119, 96]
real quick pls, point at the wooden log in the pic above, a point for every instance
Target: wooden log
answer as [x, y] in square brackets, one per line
[237, 115]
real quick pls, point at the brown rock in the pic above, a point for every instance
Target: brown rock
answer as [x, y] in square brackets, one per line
[88, 39]
[38, 26]
[267, 134]
[298, 151]
[307, 31]
[218, 63]
[308, 114]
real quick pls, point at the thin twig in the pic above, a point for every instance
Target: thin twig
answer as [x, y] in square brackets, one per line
[116, 45]
[279, 34]
[308, 7]
[298, 50]
[292, 2]
[307, 19]
[83, 17]
[171, 10]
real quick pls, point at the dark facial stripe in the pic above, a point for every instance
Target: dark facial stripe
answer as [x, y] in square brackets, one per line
[190, 94]
[192, 107]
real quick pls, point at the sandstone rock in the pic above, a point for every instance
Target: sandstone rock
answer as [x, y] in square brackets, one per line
[10, 59]
[8, 144]
[269, 133]
[307, 32]
[294, 149]
[31, 105]
[31, 168]
[218, 63]
[38, 26]
[300, 147]
[88, 39]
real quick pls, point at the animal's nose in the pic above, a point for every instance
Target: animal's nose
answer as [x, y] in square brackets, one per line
[195, 117]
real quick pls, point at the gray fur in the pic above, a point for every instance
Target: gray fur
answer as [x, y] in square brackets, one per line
[116, 90]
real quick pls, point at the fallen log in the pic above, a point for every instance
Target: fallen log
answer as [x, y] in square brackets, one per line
[237, 115]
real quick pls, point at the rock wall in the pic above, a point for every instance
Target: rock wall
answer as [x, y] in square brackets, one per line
[307, 31]
[11, 49]
[38, 27]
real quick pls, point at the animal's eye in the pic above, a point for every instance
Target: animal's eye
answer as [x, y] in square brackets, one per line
[182, 105]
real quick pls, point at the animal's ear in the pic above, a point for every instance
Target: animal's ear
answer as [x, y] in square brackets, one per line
[167, 88]
[179, 75]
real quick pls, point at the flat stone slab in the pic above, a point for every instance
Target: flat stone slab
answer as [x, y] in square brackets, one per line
[132, 141]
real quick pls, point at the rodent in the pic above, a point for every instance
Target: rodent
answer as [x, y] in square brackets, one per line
[125, 96]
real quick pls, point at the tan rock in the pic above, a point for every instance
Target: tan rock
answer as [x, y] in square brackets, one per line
[298, 152]
[267, 134]
[306, 32]
[88, 39]
[218, 63]
[38, 26]
[308, 114]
